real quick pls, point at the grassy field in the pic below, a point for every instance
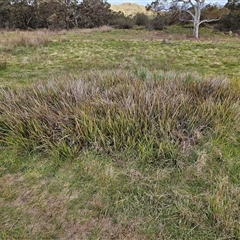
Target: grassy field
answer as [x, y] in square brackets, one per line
[112, 134]
[35, 56]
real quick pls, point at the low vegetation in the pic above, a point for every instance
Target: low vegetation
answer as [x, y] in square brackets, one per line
[147, 114]
[32, 56]
[106, 134]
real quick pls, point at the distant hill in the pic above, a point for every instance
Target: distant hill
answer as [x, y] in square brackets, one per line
[130, 9]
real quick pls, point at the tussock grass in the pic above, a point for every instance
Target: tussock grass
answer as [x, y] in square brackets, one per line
[102, 29]
[25, 39]
[3, 64]
[160, 116]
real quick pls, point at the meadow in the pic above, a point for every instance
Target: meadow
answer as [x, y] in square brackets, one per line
[114, 134]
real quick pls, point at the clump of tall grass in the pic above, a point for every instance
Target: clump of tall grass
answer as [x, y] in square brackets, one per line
[3, 64]
[102, 29]
[25, 39]
[161, 117]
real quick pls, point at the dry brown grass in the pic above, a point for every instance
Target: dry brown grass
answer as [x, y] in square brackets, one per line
[102, 29]
[25, 38]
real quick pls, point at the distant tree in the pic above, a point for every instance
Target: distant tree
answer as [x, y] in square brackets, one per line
[93, 13]
[53, 14]
[22, 14]
[141, 19]
[4, 13]
[231, 21]
[44, 11]
[187, 10]
[67, 9]
[167, 12]
[121, 21]
[233, 5]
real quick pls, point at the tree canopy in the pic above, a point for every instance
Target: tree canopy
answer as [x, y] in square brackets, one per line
[53, 14]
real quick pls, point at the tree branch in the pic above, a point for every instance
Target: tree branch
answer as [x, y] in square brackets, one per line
[210, 20]
[186, 2]
[185, 20]
[191, 3]
[189, 12]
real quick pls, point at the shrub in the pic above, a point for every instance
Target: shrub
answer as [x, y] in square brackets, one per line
[158, 23]
[26, 39]
[122, 22]
[141, 19]
[229, 22]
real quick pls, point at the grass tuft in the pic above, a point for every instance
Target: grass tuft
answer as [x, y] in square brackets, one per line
[3, 64]
[25, 39]
[160, 116]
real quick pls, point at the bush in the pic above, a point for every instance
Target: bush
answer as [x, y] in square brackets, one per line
[158, 23]
[122, 22]
[141, 19]
[229, 22]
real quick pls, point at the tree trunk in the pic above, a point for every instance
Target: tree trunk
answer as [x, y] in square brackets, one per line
[67, 23]
[196, 20]
[195, 30]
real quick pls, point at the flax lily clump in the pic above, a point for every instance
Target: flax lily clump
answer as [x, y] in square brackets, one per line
[161, 116]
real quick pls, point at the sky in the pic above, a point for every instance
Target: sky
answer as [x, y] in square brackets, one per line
[145, 2]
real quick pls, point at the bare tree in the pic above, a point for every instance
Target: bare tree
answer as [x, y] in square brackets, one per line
[192, 8]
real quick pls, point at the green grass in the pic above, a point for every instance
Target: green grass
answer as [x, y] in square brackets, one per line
[110, 135]
[115, 49]
[99, 196]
